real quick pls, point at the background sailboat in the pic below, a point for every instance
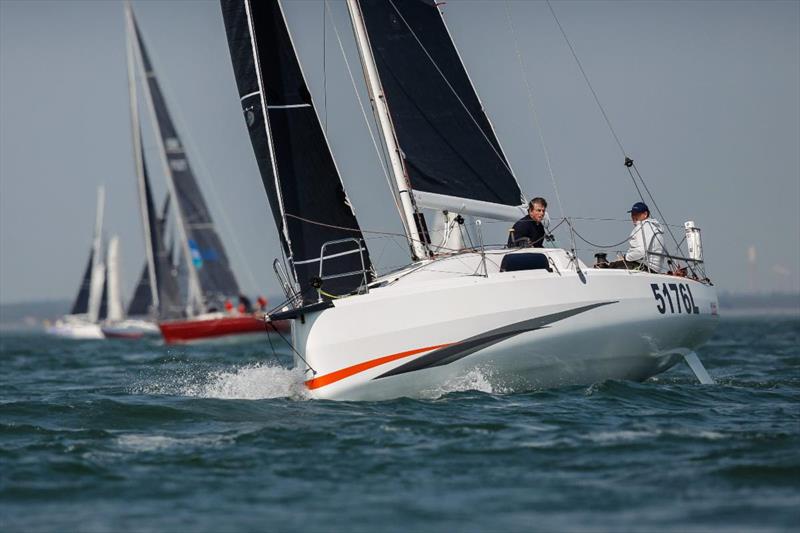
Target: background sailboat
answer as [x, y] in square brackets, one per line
[212, 286]
[116, 324]
[87, 310]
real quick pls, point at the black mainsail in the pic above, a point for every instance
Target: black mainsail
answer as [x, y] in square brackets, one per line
[302, 182]
[449, 149]
[209, 261]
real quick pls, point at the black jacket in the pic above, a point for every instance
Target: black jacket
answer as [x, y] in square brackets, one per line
[526, 232]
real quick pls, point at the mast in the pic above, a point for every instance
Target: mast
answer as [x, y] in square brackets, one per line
[195, 303]
[138, 159]
[98, 270]
[418, 250]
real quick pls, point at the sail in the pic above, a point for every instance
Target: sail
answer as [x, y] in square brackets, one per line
[102, 312]
[297, 168]
[98, 276]
[450, 152]
[208, 256]
[114, 290]
[142, 298]
[166, 284]
[81, 304]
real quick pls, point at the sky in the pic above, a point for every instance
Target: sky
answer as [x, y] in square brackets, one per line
[704, 96]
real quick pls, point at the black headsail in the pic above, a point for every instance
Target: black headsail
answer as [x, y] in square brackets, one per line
[81, 304]
[304, 188]
[142, 300]
[166, 285]
[208, 255]
[448, 145]
[102, 314]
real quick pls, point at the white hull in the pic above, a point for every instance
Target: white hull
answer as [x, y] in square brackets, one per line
[521, 330]
[75, 327]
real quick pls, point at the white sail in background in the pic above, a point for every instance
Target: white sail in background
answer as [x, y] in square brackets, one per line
[115, 311]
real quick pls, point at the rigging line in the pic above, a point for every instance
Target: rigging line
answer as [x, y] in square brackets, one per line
[591, 88]
[539, 128]
[325, 64]
[266, 328]
[585, 77]
[344, 228]
[638, 191]
[474, 121]
[380, 153]
[599, 245]
[661, 215]
[533, 106]
[333, 226]
[314, 372]
[598, 219]
[356, 230]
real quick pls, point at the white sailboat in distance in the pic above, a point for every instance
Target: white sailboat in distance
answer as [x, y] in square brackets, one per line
[82, 322]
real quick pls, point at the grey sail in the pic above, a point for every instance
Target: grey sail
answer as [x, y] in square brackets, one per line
[208, 256]
[302, 182]
[448, 146]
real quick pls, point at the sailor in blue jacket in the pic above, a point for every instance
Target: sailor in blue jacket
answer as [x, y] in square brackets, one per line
[529, 230]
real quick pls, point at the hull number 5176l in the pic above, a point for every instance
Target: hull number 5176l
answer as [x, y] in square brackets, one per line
[683, 301]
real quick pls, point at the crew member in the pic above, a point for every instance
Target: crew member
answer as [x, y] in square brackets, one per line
[529, 230]
[645, 242]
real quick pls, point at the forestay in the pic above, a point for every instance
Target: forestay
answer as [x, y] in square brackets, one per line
[305, 190]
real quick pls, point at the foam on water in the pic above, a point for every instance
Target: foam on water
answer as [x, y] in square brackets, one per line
[252, 382]
[151, 443]
[247, 382]
[608, 437]
[476, 379]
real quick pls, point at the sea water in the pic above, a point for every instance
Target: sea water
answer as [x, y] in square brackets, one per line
[138, 436]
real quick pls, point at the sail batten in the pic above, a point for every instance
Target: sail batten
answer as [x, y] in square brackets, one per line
[298, 171]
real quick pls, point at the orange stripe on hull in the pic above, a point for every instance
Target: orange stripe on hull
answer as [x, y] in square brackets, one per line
[333, 377]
